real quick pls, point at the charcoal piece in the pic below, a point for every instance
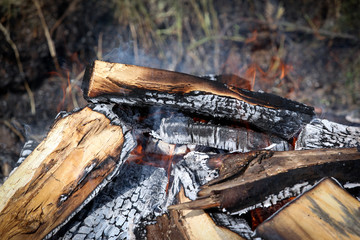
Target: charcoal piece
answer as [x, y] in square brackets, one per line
[192, 172]
[27, 149]
[185, 131]
[137, 192]
[326, 134]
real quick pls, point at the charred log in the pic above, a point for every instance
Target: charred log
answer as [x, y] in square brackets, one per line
[326, 134]
[133, 85]
[278, 171]
[138, 192]
[185, 131]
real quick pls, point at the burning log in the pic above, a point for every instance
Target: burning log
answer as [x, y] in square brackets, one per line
[78, 157]
[86, 150]
[325, 212]
[133, 85]
[247, 182]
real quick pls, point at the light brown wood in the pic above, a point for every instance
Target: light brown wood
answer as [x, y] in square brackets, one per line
[325, 212]
[197, 224]
[188, 225]
[121, 79]
[79, 152]
[117, 78]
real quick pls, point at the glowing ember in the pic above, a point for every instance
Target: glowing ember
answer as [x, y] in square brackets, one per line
[278, 69]
[259, 215]
[146, 154]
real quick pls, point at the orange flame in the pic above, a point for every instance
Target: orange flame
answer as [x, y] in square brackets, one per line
[259, 215]
[277, 70]
[252, 38]
[139, 156]
[251, 74]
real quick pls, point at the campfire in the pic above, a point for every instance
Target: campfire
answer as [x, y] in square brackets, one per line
[159, 154]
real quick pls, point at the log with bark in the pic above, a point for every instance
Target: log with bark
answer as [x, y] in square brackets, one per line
[138, 86]
[247, 179]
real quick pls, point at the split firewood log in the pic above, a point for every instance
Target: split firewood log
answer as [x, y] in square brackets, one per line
[134, 85]
[78, 157]
[246, 179]
[325, 212]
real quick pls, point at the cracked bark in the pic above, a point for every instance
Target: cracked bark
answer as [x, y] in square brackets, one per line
[243, 185]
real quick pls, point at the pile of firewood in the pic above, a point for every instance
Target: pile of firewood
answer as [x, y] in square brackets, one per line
[160, 154]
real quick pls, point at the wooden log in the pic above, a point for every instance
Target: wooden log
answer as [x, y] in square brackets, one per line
[182, 130]
[263, 173]
[188, 224]
[61, 175]
[325, 212]
[322, 133]
[134, 85]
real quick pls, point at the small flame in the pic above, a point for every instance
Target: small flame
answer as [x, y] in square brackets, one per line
[253, 37]
[277, 70]
[251, 74]
[140, 156]
[67, 90]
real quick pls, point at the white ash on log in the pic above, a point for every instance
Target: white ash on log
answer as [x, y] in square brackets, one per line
[249, 183]
[138, 86]
[182, 130]
[138, 194]
[325, 134]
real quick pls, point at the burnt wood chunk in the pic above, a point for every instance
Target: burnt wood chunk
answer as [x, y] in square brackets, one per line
[134, 85]
[322, 133]
[263, 173]
[325, 212]
[65, 170]
[182, 130]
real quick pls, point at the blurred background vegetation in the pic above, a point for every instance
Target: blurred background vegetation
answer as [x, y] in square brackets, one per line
[304, 50]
